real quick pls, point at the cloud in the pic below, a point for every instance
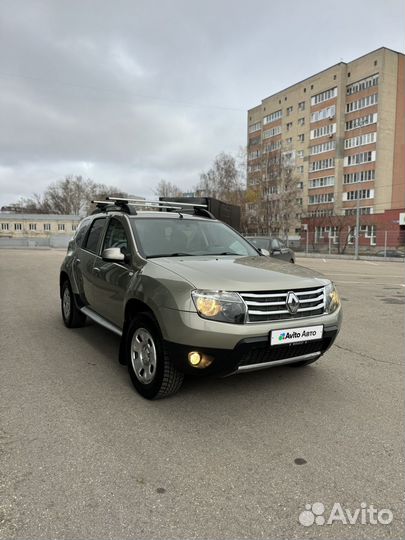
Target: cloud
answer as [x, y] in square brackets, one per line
[131, 92]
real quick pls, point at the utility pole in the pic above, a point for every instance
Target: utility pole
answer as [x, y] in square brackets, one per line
[357, 233]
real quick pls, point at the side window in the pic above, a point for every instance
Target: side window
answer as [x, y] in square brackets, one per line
[275, 244]
[81, 231]
[94, 235]
[116, 236]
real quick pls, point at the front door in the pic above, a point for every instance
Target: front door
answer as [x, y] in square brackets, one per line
[112, 278]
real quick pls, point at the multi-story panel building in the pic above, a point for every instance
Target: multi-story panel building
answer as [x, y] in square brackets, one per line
[345, 129]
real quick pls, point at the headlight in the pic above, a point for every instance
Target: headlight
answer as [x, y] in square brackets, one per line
[332, 298]
[220, 306]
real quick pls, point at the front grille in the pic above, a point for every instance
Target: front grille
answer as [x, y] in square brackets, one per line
[271, 305]
[260, 355]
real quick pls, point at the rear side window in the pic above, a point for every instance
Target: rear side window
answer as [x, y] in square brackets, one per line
[93, 237]
[81, 231]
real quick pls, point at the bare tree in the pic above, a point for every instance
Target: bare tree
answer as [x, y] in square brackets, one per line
[167, 189]
[222, 180]
[226, 180]
[72, 195]
[275, 197]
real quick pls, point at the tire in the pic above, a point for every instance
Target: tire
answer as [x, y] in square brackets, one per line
[292, 261]
[152, 373]
[72, 316]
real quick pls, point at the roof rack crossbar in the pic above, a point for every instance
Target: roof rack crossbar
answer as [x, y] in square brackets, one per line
[157, 203]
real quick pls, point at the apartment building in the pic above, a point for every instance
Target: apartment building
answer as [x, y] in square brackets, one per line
[344, 129]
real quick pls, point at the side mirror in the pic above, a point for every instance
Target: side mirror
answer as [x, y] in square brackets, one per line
[264, 252]
[113, 254]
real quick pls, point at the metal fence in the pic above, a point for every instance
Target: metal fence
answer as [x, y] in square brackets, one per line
[381, 243]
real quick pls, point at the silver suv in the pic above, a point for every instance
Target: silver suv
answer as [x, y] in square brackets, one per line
[189, 296]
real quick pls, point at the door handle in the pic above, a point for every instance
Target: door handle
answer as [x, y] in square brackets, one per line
[76, 261]
[96, 270]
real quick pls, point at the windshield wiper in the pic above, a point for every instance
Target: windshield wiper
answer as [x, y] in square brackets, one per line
[179, 254]
[223, 253]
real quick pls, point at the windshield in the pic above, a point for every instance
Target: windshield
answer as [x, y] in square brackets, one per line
[160, 237]
[262, 243]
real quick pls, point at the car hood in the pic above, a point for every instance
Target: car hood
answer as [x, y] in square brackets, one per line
[241, 273]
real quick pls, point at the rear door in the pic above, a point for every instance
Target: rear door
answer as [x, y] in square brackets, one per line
[111, 279]
[279, 249]
[84, 261]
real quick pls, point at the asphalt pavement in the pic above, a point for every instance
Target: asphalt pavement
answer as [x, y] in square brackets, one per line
[83, 456]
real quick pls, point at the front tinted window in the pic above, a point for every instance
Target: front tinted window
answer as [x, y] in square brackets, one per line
[116, 236]
[159, 237]
[94, 235]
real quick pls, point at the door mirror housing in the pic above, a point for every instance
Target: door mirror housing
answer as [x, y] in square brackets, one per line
[113, 254]
[264, 252]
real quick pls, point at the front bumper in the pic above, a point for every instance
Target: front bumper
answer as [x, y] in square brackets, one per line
[250, 354]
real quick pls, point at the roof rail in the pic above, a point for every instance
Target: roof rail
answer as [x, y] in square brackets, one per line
[129, 206]
[156, 203]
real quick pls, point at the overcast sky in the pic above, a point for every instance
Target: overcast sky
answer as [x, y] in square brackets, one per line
[130, 92]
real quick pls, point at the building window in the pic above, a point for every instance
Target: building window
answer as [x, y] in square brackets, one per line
[4, 226]
[300, 169]
[300, 185]
[289, 110]
[322, 164]
[17, 226]
[323, 131]
[74, 227]
[361, 140]
[272, 117]
[358, 194]
[362, 176]
[288, 140]
[275, 145]
[363, 84]
[253, 155]
[321, 198]
[328, 112]
[32, 226]
[324, 181]
[362, 103]
[301, 105]
[361, 121]
[272, 132]
[47, 226]
[289, 126]
[301, 121]
[301, 137]
[300, 153]
[324, 96]
[363, 210]
[324, 147]
[255, 127]
[357, 159]
[61, 226]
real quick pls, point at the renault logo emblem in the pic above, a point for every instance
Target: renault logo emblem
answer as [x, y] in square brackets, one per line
[292, 302]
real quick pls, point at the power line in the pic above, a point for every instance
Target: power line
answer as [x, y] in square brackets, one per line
[64, 84]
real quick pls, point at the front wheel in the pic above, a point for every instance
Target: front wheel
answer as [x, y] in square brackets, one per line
[72, 316]
[150, 369]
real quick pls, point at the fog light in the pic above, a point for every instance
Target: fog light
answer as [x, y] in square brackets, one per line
[199, 360]
[194, 358]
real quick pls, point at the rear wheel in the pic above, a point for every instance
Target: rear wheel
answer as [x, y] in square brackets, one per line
[72, 316]
[150, 369]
